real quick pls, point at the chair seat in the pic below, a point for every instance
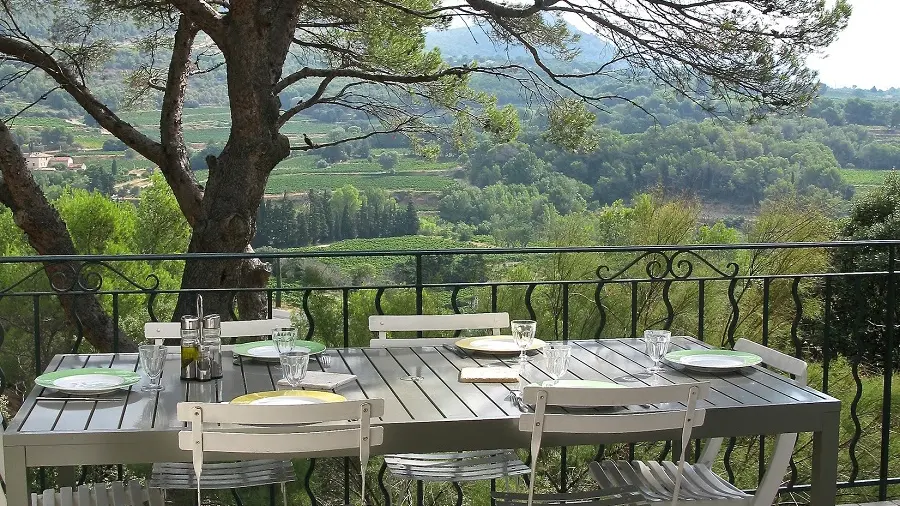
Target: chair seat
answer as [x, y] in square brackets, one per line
[222, 475]
[657, 481]
[101, 494]
[456, 467]
[615, 496]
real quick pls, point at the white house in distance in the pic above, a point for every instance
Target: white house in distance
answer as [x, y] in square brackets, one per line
[67, 161]
[38, 161]
[49, 163]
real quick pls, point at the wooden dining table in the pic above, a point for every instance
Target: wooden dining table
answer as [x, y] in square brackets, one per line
[426, 408]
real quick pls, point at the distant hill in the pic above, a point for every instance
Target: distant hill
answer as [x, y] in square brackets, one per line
[473, 42]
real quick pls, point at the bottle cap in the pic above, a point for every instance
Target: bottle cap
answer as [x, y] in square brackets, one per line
[212, 321]
[190, 322]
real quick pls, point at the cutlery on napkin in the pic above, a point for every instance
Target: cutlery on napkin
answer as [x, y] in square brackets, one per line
[317, 380]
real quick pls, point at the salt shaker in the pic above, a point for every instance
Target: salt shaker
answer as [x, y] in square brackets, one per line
[211, 347]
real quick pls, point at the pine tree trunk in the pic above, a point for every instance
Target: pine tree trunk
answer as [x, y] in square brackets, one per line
[254, 56]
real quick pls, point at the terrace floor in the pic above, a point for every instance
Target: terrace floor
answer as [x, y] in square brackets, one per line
[885, 503]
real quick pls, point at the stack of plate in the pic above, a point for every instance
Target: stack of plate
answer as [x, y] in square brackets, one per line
[288, 397]
[88, 381]
[496, 345]
[265, 350]
[713, 361]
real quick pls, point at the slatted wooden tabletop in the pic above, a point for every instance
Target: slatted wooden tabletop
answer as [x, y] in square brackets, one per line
[434, 412]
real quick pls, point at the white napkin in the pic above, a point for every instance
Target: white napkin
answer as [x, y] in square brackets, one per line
[317, 380]
[488, 375]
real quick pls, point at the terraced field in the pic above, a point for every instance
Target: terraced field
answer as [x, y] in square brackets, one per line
[862, 178]
[296, 174]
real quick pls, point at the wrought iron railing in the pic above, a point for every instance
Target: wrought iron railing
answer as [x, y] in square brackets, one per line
[830, 303]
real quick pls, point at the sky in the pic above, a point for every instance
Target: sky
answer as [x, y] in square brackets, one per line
[865, 54]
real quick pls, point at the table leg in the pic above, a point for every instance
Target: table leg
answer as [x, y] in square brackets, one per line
[824, 460]
[15, 475]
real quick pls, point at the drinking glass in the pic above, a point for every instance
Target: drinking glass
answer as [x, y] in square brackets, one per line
[557, 356]
[523, 334]
[284, 338]
[153, 358]
[657, 346]
[293, 366]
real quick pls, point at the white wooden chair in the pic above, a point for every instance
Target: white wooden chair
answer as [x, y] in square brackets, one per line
[684, 416]
[162, 331]
[701, 485]
[382, 324]
[451, 467]
[280, 430]
[220, 475]
[101, 494]
[90, 494]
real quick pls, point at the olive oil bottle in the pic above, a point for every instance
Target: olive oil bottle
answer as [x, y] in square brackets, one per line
[190, 346]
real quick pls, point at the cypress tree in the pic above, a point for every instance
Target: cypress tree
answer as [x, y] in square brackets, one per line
[330, 234]
[411, 220]
[302, 224]
[347, 226]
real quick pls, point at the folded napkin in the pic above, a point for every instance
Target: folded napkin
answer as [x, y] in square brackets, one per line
[488, 375]
[316, 380]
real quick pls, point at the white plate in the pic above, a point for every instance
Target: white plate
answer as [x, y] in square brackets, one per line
[711, 361]
[494, 345]
[286, 401]
[268, 352]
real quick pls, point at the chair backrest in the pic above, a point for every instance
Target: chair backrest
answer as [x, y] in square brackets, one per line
[382, 324]
[282, 432]
[784, 443]
[684, 416]
[161, 331]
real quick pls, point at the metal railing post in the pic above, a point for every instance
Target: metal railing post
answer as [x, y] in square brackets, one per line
[278, 282]
[888, 377]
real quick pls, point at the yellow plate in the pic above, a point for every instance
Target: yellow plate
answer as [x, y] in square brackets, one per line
[496, 345]
[288, 397]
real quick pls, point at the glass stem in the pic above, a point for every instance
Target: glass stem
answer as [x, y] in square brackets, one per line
[522, 357]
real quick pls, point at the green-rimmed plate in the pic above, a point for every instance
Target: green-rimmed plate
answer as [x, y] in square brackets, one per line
[265, 350]
[712, 360]
[496, 345]
[288, 397]
[88, 381]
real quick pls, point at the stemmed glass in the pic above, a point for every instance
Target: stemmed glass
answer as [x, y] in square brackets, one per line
[523, 334]
[294, 365]
[153, 358]
[657, 342]
[283, 338]
[557, 356]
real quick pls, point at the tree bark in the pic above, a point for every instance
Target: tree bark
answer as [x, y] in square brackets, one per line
[47, 234]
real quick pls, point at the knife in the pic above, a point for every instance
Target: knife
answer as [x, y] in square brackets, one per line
[455, 350]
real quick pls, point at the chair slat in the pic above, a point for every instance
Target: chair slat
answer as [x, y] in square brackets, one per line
[246, 414]
[117, 491]
[443, 322]
[592, 397]
[240, 328]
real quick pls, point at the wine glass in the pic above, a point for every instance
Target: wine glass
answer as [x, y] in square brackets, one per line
[283, 338]
[523, 334]
[557, 356]
[152, 358]
[294, 365]
[657, 342]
